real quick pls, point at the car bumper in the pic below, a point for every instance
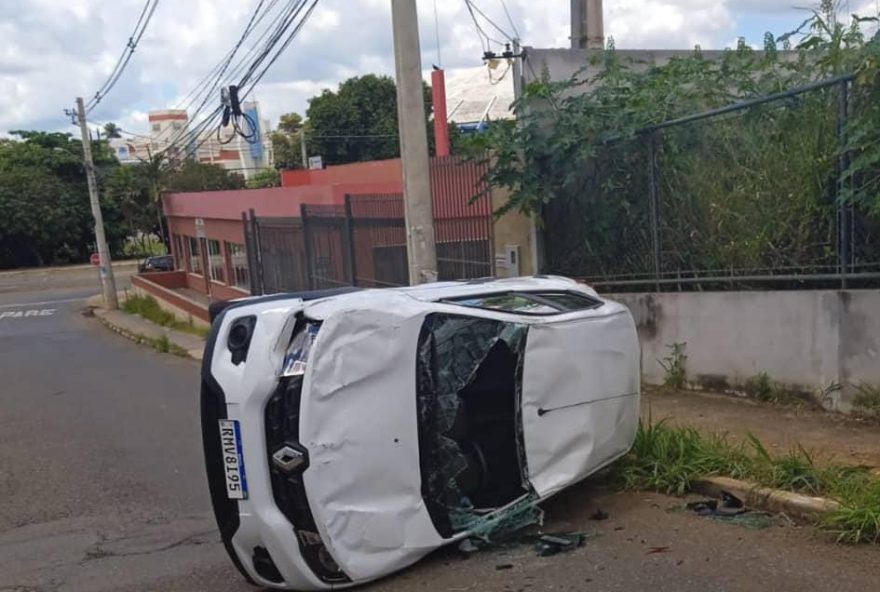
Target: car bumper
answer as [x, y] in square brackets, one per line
[258, 537]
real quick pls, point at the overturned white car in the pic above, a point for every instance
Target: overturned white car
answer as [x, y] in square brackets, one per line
[348, 435]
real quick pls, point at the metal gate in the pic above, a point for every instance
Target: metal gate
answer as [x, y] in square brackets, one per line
[276, 254]
[327, 238]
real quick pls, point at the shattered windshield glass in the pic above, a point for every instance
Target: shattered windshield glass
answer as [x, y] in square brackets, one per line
[469, 375]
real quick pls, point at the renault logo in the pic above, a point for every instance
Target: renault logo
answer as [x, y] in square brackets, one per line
[288, 459]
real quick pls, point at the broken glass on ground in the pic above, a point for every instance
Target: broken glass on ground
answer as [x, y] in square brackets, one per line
[732, 510]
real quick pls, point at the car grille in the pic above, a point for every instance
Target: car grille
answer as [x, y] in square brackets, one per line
[282, 430]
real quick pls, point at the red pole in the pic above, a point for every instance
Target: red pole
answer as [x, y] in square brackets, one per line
[441, 128]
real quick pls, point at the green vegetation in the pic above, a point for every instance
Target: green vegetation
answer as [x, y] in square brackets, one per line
[752, 190]
[148, 308]
[358, 121]
[165, 346]
[265, 178]
[867, 402]
[674, 366]
[45, 216]
[669, 459]
[762, 388]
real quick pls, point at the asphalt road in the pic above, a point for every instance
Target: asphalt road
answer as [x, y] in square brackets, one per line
[102, 488]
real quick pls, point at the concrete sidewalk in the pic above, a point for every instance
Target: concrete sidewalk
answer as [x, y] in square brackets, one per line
[828, 436]
[139, 329]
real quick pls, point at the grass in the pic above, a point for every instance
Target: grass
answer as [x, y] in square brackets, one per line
[674, 366]
[867, 402]
[761, 388]
[149, 309]
[669, 459]
[166, 346]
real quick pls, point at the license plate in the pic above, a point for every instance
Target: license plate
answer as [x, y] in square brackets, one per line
[233, 460]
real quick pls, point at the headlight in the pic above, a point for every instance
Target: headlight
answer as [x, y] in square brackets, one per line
[297, 356]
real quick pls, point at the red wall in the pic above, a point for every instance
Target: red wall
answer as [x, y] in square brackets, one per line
[228, 205]
[378, 171]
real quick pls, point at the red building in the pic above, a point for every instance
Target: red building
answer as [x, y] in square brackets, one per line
[208, 234]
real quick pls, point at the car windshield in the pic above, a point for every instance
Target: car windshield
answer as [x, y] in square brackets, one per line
[530, 303]
[469, 373]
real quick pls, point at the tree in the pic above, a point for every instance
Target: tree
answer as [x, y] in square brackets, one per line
[358, 122]
[45, 216]
[112, 131]
[265, 178]
[196, 176]
[286, 142]
[129, 188]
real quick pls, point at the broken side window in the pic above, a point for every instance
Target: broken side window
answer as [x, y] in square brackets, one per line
[530, 303]
[468, 389]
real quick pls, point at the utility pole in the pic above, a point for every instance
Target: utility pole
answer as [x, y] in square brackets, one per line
[418, 205]
[302, 147]
[108, 284]
[587, 24]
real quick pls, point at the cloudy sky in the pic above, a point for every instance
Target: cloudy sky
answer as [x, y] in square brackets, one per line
[54, 50]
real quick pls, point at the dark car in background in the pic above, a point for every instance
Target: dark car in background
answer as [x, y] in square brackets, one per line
[157, 263]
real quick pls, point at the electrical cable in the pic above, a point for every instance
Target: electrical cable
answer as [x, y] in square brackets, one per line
[510, 19]
[133, 41]
[206, 88]
[251, 68]
[473, 8]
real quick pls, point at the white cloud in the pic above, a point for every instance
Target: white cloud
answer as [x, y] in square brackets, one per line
[53, 51]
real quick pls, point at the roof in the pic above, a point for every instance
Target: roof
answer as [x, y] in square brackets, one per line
[472, 96]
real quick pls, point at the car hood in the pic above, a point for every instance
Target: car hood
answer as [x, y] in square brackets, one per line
[358, 422]
[580, 396]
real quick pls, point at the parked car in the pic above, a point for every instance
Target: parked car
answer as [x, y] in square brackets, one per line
[347, 435]
[157, 263]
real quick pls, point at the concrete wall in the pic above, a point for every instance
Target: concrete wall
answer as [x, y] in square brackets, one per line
[513, 228]
[170, 300]
[809, 340]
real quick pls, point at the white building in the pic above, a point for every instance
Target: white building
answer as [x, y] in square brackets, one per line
[231, 151]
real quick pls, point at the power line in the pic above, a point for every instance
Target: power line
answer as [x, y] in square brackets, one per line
[474, 10]
[135, 38]
[510, 19]
[255, 71]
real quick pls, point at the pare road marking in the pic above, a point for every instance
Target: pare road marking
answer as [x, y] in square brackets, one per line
[24, 314]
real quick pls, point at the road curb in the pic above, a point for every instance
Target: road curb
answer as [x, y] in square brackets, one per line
[140, 338]
[766, 498]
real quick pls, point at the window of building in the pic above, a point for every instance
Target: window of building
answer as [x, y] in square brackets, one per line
[216, 263]
[177, 125]
[157, 127]
[241, 277]
[179, 253]
[195, 258]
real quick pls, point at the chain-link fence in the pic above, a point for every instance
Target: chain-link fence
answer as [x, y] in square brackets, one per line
[749, 196]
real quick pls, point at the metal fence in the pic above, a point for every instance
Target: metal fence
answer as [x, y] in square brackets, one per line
[361, 243]
[743, 197]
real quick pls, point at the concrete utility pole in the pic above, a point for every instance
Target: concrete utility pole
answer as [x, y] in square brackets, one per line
[587, 24]
[108, 283]
[418, 205]
[302, 147]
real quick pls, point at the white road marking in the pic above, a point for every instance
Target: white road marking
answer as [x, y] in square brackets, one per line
[24, 304]
[19, 314]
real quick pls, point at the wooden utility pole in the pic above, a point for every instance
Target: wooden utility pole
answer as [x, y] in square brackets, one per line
[108, 283]
[418, 205]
